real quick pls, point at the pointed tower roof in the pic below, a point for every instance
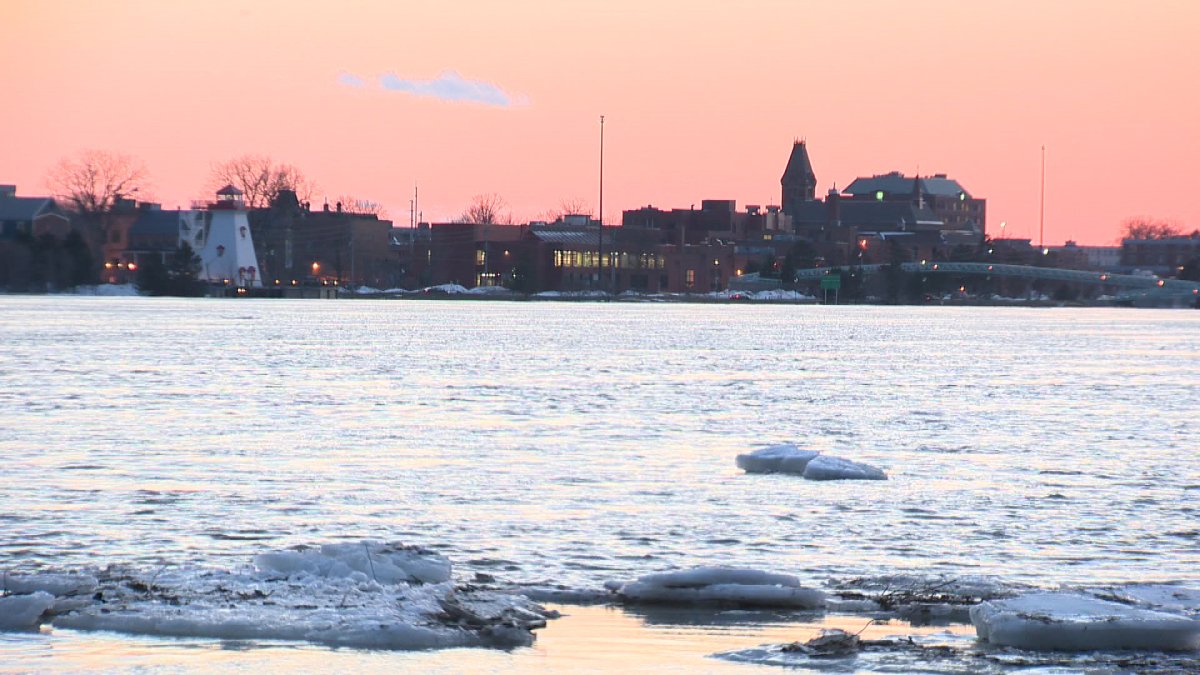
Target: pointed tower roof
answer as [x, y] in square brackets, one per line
[799, 167]
[918, 191]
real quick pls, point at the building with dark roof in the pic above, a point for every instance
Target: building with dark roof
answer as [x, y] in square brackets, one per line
[945, 197]
[864, 216]
[31, 216]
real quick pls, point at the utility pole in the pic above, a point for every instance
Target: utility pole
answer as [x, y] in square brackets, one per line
[600, 244]
[412, 234]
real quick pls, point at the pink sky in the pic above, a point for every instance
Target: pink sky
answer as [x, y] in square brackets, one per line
[702, 99]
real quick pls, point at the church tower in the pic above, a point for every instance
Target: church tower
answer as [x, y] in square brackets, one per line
[798, 181]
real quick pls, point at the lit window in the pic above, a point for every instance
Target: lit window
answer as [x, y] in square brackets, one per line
[690, 280]
[879, 195]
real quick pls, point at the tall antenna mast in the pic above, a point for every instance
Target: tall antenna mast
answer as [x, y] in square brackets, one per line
[600, 246]
[1042, 206]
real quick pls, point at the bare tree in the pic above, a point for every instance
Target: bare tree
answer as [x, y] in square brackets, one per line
[91, 182]
[358, 205]
[571, 206]
[486, 209]
[1143, 227]
[260, 179]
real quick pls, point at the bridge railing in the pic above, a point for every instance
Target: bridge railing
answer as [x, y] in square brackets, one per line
[1148, 283]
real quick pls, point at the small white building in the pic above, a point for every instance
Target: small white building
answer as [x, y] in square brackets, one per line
[220, 235]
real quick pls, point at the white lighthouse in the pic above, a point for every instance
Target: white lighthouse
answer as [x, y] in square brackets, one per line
[221, 237]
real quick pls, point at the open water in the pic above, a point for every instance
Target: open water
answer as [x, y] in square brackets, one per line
[573, 443]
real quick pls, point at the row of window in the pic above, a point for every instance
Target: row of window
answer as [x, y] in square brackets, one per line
[643, 261]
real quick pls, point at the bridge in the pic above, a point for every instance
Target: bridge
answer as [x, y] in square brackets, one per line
[1131, 283]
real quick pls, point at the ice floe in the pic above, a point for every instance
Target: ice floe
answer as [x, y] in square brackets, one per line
[24, 612]
[782, 458]
[383, 563]
[366, 594]
[1164, 597]
[1067, 621]
[811, 464]
[722, 586]
[825, 467]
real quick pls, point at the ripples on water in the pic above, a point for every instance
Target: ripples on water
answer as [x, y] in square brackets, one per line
[573, 443]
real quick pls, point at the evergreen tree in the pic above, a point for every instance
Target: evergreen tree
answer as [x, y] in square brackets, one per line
[178, 276]
[183, 271]
[152, 276]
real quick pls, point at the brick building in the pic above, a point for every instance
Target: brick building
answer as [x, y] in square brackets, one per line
[296, 243]
[1165, 257]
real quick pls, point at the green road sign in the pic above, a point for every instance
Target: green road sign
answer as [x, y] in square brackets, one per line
[831, 282]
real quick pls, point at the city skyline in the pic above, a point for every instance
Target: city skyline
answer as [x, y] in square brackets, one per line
[701, 100]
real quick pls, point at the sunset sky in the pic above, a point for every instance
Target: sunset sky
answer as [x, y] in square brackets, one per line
[702, 99]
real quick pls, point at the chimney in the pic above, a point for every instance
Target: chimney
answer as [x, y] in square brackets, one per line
[833, 208]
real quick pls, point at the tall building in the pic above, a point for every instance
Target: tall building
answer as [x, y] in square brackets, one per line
[799, 183]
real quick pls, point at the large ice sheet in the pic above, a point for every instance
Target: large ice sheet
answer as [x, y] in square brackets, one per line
[24, 612]
[1074, 621]
[723, 586]
[364, 594]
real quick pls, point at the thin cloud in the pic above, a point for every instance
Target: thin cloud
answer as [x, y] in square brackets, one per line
[351, 80]
[449, 86]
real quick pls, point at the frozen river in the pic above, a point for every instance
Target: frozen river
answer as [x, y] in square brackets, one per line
[574, 443]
